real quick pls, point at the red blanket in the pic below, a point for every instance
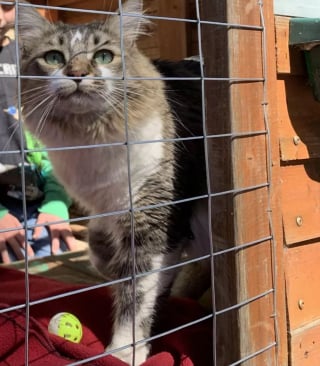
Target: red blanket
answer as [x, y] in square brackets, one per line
[187, 347]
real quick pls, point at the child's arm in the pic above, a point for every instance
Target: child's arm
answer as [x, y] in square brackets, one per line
[56, 202]
[54, 207]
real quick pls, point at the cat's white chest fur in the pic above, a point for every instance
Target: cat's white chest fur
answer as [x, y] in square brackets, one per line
[99, 176]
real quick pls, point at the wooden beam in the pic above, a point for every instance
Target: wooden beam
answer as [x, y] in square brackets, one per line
[216, 60]
[304, 344]
[300, 196]
[64, 3]
[303, 302]
[289, 59]
[299, 115]
[172, 34]
[251, 165]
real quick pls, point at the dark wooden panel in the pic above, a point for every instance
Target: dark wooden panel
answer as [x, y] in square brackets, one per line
[168, 39]
[215, 52]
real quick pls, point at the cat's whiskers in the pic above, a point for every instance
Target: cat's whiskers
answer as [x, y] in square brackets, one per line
[38, 105]
[35, 103]
[44, 116]
[130, 95]
[130, 104]
[34, 99]
[175, 101]
[35, 90]
[112, 101]
[178, 120]
[5, 147]
[38, 88]
[130, 91]
[29, 100]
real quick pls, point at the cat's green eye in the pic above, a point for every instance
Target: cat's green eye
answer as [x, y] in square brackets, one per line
[54, 58]
[103, 57]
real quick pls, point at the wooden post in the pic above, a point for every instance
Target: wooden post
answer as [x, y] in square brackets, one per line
[216, 60]
[244, 162]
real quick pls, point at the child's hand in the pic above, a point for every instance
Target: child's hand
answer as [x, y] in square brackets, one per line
[14, 238]
[57, 231]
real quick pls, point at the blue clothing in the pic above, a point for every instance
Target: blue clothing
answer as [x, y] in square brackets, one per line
[41, 246]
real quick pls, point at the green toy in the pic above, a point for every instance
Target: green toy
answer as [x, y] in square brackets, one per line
[67, 326]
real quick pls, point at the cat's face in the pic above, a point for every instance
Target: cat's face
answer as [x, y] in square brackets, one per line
[80, 68]
[82, 64]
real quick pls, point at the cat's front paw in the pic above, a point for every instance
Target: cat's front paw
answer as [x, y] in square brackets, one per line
[126, 355]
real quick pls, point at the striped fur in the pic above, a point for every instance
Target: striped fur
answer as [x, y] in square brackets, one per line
[66, 112]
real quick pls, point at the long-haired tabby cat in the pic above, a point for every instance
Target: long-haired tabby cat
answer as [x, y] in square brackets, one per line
[90, 93]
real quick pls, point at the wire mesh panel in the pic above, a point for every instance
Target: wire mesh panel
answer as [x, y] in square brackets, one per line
[227, 289]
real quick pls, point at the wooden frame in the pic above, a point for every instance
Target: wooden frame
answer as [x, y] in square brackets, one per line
[246, 219]
[169, 40]
[298, 115]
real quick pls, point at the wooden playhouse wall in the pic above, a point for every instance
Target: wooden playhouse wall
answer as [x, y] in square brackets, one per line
[299, 145]
[170, 39]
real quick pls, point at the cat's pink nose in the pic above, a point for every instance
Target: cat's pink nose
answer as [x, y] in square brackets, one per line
[77, 73]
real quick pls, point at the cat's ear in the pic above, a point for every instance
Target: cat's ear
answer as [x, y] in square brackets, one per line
[31, 26]
[132, 27]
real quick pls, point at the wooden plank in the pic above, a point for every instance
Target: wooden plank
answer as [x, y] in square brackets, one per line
[192, 29]
[252, 337]
[298, 8]
[216, 59]
[301, 202]
[302, 281]
[299, 116]
[265, 328]
[248, 15]
[282, 44]
[64, 3]
[275, 194]
[250, 94]
[51, 15]
[169, 38]
[246, 40]
[172, 34]
[304, 343]
[289, 60]
[80, 17]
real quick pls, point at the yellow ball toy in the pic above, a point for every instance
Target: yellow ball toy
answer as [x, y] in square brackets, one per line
[67, 326]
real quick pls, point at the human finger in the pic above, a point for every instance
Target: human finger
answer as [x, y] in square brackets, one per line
[55, 241]
[4, 253]
[37, 232]
[29, 250]
[15, 245]
[69, 239]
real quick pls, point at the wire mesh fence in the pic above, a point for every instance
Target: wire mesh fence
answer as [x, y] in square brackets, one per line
[237, 196]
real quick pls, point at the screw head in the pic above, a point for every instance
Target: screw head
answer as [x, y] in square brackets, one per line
[301, 304]
[296, 140]
[299, 220]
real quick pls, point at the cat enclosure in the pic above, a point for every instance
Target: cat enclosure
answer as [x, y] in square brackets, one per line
[262, 150]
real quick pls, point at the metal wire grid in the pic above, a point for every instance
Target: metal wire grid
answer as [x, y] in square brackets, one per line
[206, 137]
